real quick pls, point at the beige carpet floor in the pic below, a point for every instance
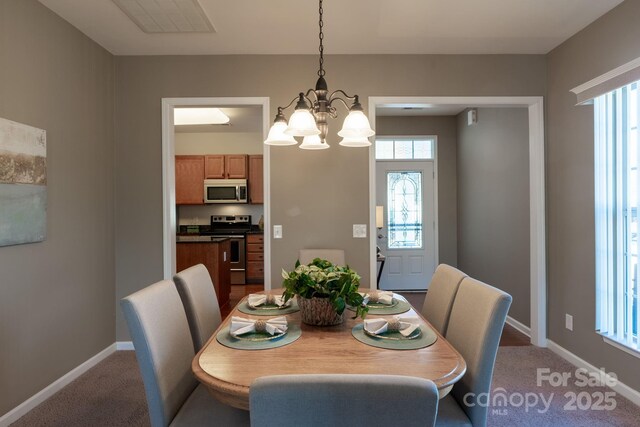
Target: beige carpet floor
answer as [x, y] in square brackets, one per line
[109, 394]
[112, 394]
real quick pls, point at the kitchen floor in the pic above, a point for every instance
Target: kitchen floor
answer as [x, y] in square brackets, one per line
[237, 293]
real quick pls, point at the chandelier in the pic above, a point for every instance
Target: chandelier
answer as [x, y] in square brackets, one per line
[313, 108]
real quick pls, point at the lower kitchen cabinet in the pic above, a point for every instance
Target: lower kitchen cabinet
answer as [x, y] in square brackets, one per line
[255, 258]
[216, 256]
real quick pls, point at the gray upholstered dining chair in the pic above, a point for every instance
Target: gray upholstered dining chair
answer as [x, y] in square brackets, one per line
[337, 400]
[336, 256]
[160, 334]
[477, 318]
[440, 296]
[200, 303]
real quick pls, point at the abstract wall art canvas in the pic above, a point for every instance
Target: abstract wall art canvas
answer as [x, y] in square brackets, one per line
[23, 183]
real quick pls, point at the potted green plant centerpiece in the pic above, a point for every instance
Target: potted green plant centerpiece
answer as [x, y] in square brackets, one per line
[323, 291]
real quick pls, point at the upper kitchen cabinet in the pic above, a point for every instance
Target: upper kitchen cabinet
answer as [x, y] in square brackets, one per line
[256, 182]
[214, 167]
[189, 180]
[229, 166]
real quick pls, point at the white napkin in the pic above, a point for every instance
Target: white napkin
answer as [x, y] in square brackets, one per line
[256, 300]
[240, 325]
[406, 325]
[382, 297]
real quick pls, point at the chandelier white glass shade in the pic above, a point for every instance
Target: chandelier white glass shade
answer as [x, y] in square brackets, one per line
[313, 142]
[278, 137]
[356, 125]
[355, 142]
[312, 111]
[302, 123]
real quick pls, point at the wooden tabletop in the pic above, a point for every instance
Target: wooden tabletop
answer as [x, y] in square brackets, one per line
[228, 372]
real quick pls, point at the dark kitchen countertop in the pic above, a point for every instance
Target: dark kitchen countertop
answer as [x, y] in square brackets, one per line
[200, 239]
[255, 231]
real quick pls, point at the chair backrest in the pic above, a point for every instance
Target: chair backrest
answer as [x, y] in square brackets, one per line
[164, 350]
[477, 318]
[439, 300]
[336, 256]
[334, 400]
[200, 303]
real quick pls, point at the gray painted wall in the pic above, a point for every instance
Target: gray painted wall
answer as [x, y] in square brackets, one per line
[606, 44]
[56, 297]
[218, 143]
[493, 202]
[444, 127]
[316, 196]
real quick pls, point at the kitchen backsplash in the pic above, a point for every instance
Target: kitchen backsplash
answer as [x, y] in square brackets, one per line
[201, 215]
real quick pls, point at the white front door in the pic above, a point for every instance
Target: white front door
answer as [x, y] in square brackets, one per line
[406, 190]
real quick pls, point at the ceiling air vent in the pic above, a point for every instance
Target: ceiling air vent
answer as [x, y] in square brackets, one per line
[167, 16]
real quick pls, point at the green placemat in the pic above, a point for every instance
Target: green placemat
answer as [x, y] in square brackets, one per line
[224, 338]
[381, 309]
[275, 311]
[426, 338]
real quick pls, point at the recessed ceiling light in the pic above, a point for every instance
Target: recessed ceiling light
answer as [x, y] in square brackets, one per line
[199, 116]
[167, 16]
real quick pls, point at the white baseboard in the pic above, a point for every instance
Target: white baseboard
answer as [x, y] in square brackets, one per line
[620, 388]
[521, 327]
[124, 345]
[26, 406]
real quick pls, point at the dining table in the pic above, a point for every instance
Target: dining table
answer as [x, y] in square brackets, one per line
[229, 372]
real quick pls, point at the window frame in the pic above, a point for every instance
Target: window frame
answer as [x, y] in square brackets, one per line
[615, 297]
[431, 137]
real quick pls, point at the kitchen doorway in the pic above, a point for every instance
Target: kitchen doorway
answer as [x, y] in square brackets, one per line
[170, 223]
[537, 228]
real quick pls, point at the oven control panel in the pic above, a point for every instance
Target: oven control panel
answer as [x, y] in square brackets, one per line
[231, 218]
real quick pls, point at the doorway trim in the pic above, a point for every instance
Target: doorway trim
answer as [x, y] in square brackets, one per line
[537, 192]
[169, 178]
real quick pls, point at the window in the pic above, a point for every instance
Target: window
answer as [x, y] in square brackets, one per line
[617, 200]
[405, 148]
[404, 210]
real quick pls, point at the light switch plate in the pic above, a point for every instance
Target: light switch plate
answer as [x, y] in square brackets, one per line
[360, 231]
[277, 232]
[568, 322]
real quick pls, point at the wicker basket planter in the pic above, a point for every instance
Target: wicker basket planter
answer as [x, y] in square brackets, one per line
[318, 312]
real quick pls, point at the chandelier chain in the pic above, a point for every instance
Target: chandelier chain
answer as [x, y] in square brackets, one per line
[321, 37]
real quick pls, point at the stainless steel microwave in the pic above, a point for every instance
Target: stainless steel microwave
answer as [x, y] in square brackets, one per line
[225, 191]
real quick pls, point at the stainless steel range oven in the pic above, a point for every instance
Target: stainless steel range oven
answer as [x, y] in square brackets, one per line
[234, 227]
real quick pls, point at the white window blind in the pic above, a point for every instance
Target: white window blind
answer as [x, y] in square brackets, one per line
[617, 203]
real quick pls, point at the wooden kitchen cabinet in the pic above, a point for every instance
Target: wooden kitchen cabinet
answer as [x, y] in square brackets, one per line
[255, 258]
[215, 256]
[189, 180]
[256, 180]
[225, 166]
[214, 167]
[236, 166]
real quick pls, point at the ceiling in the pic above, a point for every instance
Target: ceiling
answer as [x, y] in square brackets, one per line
[241, 119]
[395, 110]
[351, 26]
